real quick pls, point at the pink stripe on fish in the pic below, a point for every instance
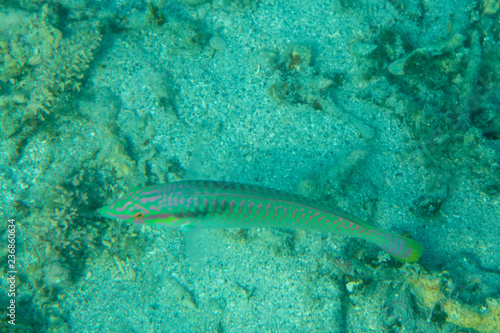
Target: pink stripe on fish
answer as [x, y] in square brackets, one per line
[267, 209]
[214, 206]
[121, 209]
[250, 205]
[151, 192]
[259, 206]
[312, 216]
[140, 207]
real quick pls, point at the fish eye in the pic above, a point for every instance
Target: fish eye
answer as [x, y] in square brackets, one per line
[138, 215]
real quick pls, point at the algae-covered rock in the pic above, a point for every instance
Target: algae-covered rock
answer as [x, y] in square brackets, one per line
[461, 314]
[491, 7]
[416, 61]
[432, 291]
[427, 287]
[466, 316]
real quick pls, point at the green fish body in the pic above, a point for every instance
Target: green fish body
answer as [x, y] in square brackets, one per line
[214, 204]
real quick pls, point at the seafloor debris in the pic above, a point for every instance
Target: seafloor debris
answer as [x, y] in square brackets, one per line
[433, 292]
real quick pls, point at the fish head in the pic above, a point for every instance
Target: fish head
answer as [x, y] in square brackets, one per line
[129, 210]
[125, 210]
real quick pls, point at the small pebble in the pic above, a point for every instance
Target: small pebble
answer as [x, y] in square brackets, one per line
[217, 43]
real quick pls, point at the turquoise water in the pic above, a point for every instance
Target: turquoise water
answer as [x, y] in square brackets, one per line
[387, 109]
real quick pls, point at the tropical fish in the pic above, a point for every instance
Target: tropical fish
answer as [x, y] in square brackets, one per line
[215, 204]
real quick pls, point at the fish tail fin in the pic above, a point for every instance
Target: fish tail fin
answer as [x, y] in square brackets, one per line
[401, 248]
[413, 251]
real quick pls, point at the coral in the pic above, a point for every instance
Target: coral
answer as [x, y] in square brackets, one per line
[59, 63]
[12, 67]
[41, 66]
[61, 239]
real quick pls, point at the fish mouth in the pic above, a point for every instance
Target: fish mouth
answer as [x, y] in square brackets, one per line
[102, 212]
